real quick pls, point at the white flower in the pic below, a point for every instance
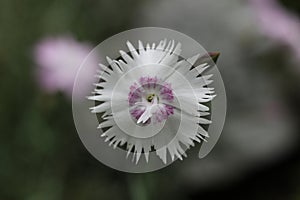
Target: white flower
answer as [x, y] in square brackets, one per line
[151, 99]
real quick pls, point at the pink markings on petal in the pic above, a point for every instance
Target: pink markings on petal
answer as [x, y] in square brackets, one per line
[166, 92]
[161, 114]
[137, 112]
[135, 94]
[169, 109]
[148, 82]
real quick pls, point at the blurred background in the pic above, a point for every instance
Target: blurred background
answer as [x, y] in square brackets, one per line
[42, 44]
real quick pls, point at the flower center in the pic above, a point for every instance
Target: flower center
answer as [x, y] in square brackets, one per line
[149, 100]
[150, 97]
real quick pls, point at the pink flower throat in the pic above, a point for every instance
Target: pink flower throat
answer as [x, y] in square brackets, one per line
[149, 100]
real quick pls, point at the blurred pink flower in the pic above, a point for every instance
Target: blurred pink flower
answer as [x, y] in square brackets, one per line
[278, 23]
[58, 60]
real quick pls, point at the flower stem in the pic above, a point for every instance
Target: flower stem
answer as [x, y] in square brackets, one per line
[139, 187]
